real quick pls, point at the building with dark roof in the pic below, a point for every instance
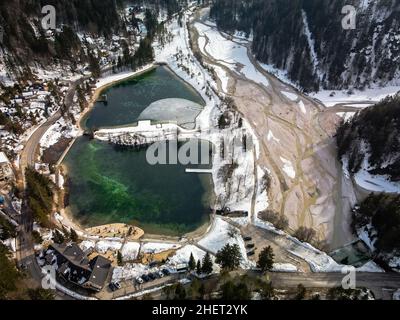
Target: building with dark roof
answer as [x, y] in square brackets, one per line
[100, 269]
[74, 266]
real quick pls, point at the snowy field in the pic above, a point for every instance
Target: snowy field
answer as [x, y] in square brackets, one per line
[370, 182]
[230, 54]
[333, 97]
[58, 130]
[103, 81]
[376, 183]
[317, 260]
[157, 247]
[223, 233]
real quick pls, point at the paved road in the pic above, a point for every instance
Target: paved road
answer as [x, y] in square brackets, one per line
[28, 155]
[382, 284]
[25, 245]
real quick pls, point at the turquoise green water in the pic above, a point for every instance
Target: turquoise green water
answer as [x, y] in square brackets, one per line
[109, 184]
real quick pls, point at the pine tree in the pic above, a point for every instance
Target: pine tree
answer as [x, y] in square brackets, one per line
[73, 235]
[119, 258]
[94, 65]
[202, 291]
[198, 267]
[207, 267]
[58, 237]
[266, 259]
[229, 257]
[192, 262]
[301, 292]
[180, 292]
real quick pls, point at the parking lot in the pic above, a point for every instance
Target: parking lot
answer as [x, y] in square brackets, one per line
[132, 286]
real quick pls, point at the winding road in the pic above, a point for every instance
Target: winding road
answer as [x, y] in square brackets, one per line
[25, 245]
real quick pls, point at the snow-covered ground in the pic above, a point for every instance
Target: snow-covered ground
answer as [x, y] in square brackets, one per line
[345, 115]
[284, 267]
[368, 235]
[291, 96]
[229, 53]
[61, 128]
[131, 271]
[223, 233]
[103, 246]
[373, 95]
[130, 251]
[156, 247]
[103, 81]
[288, 168]
[302, 106]
[182, 255]
[318, 261]
[376, 183]
[368, 181]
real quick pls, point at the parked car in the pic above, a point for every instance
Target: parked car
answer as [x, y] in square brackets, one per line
[166, 272]
[160, 274]
[247, 238]
[152, 276]
[250, 246]
[139, 280]
[146, 278]
[114, 286]
[250, 253]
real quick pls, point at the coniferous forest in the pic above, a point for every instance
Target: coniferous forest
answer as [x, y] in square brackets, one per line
[343, 58]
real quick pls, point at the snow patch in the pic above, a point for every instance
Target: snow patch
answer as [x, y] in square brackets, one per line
[288, 168]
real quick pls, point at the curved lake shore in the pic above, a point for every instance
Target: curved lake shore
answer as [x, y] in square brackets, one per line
[109, 184]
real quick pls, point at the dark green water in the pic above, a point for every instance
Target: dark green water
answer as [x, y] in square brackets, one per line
[108, 185]
[128, 99]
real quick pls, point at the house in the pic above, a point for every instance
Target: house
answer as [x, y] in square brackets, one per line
[74, 266]
[100, 268]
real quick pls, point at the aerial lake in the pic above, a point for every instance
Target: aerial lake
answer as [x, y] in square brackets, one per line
[109, 184]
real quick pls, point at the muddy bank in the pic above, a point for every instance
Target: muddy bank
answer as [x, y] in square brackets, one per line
[52, 155]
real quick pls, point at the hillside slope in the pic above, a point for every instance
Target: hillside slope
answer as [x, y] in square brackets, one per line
[371, 140]
[306, 38]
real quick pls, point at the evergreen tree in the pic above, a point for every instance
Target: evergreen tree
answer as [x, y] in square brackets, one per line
[40, 196]
[266, 259]
[229, 257]
[180, 292]
[119, 258]
[73, 235]
[9, 275]
[192, 262]
[58, 237]
[202, 291]
[267, 291]
[207, 265]
[301, 292]
[40, 294]
[94, 65]
[198, 267]
[232, 291]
